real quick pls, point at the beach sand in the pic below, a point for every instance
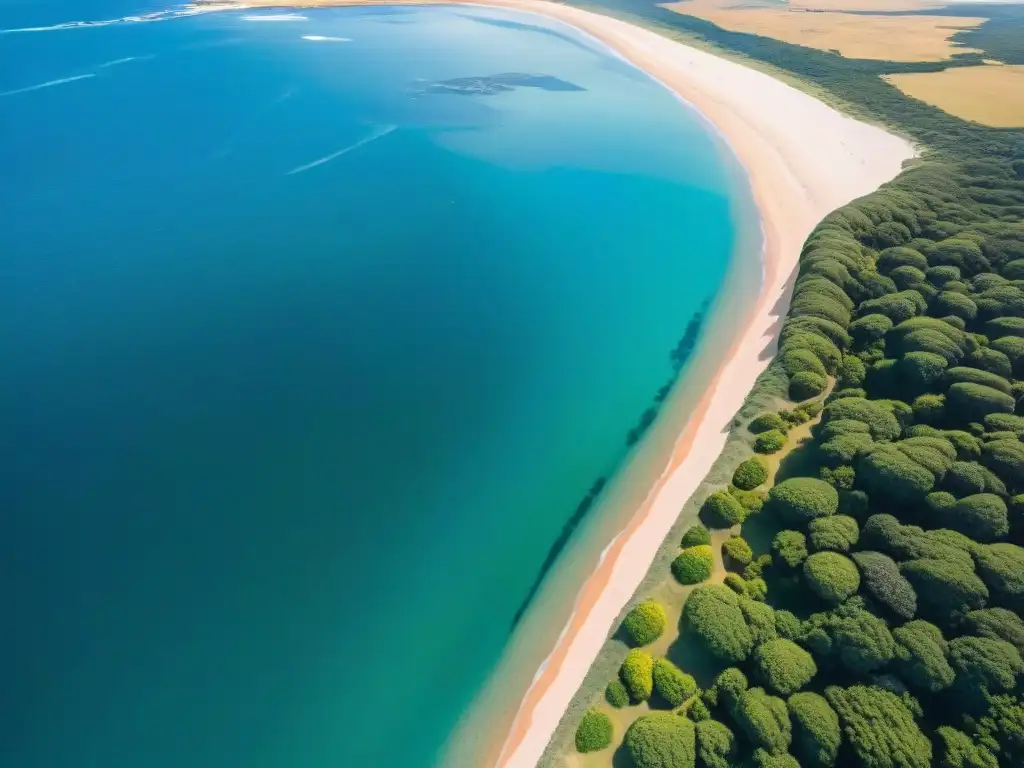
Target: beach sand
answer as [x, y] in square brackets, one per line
[803, 160]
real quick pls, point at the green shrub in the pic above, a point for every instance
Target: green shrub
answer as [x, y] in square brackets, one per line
[888, 472]
[787, 625]
[997, 624]
[982, 663]
[594, 732]
[949, 303]
[831, 576]
[645, 622]
[804, 385]
[798, 360]
[757, 589]
[771, 441]
[959, 751]
[790, 547]
[1006, 459]
[965, 478]
[939, 276]
[1013, 348]
[884, 582]
[750, 474]
[760, 620]
[661, 740]
[698, 713]
[727, 689]
[946, 589]
[1004, 422]
[922, 656]
[764, 720]
[802, 499]
[906, 277]
[671, 683]
[897, 307]
[616, 694]
[880, 420]
[765, 759]
[991, 361]
[712, 612]
[1001, 567]
[870, 328]
[982, 516]
[736, 551]
[859, 640]
[722, 510]
[751, 501]
[784, 666]
[929, 409]
[716, 745]
[816, 734]
[879, 728]
[696, 535]
[840, 478]
[843, 450]
[893, 258]
[637, 673]
[766, 422]
[852, 371]
[816, 325]
[837, 533]
[922, 371]
[694, 564]
[819, 346]
[1004, 326]
[973, 402]
[736, 583]
[974, 376]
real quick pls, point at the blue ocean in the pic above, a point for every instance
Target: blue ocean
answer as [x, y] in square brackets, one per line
[318, 328]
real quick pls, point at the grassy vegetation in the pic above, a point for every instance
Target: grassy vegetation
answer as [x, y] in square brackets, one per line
[880, 604]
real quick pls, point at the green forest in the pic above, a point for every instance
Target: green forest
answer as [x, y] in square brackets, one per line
[873, 533]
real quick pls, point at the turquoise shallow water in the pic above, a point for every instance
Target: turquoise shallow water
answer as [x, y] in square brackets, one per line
[312, 347]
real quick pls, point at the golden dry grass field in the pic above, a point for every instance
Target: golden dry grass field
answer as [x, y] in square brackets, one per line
[859, 36]
[990, 95]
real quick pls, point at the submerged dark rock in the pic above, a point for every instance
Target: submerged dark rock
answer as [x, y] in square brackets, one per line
[492, 84]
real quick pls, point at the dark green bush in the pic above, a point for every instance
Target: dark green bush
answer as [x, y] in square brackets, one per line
[946, 589]
[1004, 326]
[831, 576]
[637, 674]
[770, 442]
[922, 371]
[696, 535]
[698, 711]
[594, 732]
[750, 474]
[765, 759]
[840, 427]
[997, 624]
[823, 349]
[694, 564]
[982, 663]
[1004, 422]
[882, 579]
[662, 740]
[892, 258]
[840, 478]
[843, 450]
[929, 409]
[805, 385]
[766, 422]
[790, 547]
[616, 694]
[645, 622]
[800, 360]
[722, 510]
[816, 325]
[784, 666]
[716, 745]
[1001, 567]
[764, 720]
[991, 360]
[949, 303]
[760, 620]
[816, 734]
[907, 277]
[671, 683]
[975, 376]
[957, 750]
[838, 533]
[973, 402]
[879, 728]
[965, 478]
[713, 613]
[897, 307]
[802, 499]
[737, 552]
[1013, 348]
[939, 276]
[852, 371]
[1006, 459]
[736, 583]
[982, 516]
[880, 420]
[922, 656]
[889, 472]
[869, 328]
[751, 501]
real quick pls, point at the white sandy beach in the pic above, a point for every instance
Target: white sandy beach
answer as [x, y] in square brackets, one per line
[803, 159]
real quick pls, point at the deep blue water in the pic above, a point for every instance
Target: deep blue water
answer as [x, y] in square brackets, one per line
[311, 348]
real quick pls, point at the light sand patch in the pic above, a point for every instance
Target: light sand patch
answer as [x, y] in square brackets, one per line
[866, 5]
[988, 95]
[856, 36]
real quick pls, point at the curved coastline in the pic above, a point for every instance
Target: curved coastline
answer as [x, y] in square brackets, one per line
[803, 159]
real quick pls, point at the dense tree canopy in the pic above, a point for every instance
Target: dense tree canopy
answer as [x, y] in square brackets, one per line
[879, 728]
[645, 622]
[816, 734]
[713, 613]
[783, 666]
[662, 740]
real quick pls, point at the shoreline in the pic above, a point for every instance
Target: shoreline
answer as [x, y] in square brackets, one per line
[802, 159]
